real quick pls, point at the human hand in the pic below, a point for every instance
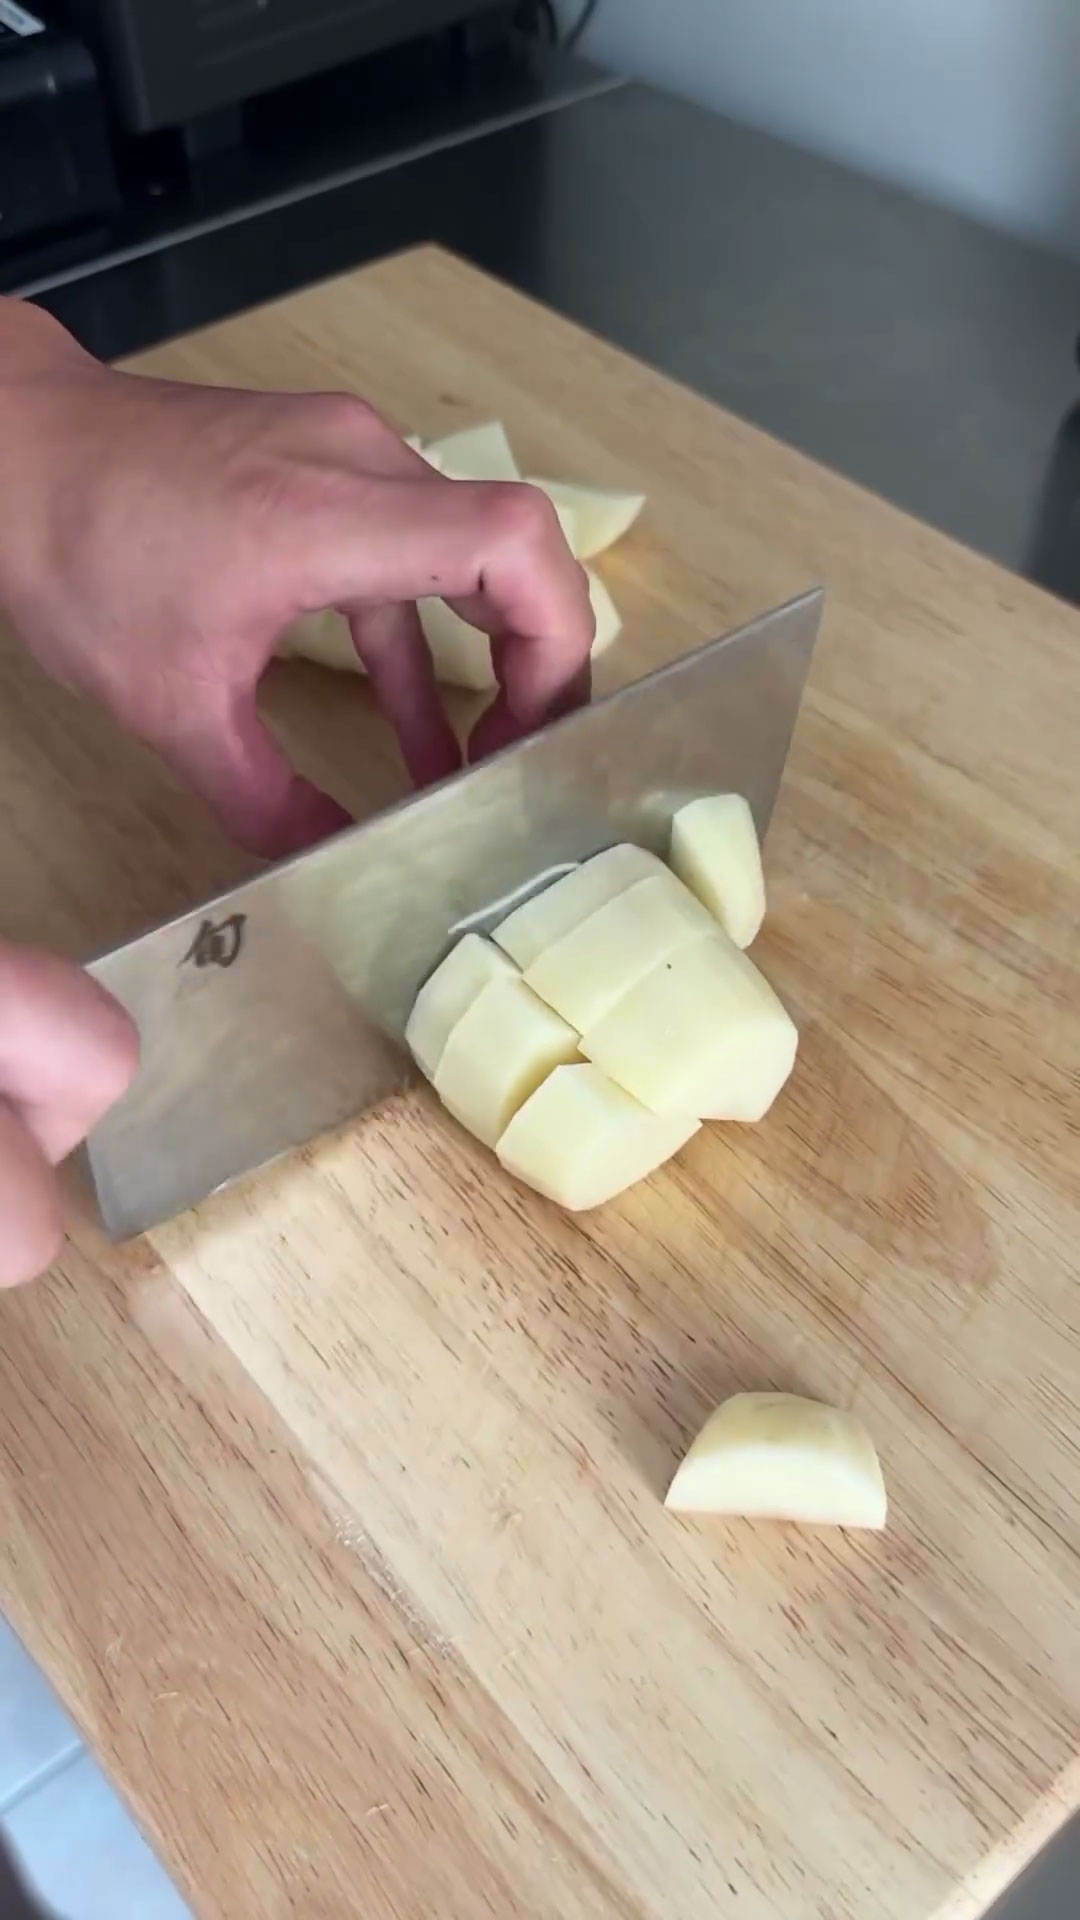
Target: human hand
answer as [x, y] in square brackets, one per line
[67, 1053]
[155, 540]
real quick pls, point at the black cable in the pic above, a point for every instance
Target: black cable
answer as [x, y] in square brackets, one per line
[583, 20]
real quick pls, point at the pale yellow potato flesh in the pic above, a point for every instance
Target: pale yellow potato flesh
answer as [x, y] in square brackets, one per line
[446, 997]
[600, 517]
[703, 1033]
[498, 1054]
[715, 850]
[598, 961]
[580, 1140]
[776, 1456]
[545, 918]
[482, 452]
[322, 637]
[607, 619]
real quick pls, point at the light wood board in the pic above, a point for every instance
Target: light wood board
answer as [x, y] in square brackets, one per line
[334, 1508]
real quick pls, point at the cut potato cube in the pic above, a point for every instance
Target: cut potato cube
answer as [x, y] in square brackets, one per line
[322, 637]
[715, 850]
[545, 918]
[702, 1034]
[475, 453]
[597, 962]
[580, 1140]
[499, 1052]
[461, 654]
[446, 997]
[600, 517]
[774, 1456]
[606, 616]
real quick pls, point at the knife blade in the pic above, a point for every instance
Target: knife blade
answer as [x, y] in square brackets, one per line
[277, 1011]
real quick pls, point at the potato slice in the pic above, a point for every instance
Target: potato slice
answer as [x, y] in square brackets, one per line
[597, 962]
[549, 915]
[703, 1033]
[446, 997]
[497, 1055]
[322, 637]
[606, 615]
[775, 1456]
[715, 850]
[600, 517]
[580, 1140]
[475, 453]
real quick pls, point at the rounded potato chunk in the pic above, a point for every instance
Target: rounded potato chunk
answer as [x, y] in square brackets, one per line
[597, 962]
[498, 1053]
[776, 1456]
[474, 453]
[545, 918]
[580, 1140]
[715, 850]
[447, 995]
[703, 1033]
[601, 517]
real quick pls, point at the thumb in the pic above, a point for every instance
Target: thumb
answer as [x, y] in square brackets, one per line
[233, 760]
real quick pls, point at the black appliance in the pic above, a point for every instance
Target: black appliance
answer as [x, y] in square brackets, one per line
[56, 170]
[172, 63]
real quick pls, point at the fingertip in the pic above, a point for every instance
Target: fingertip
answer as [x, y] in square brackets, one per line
[306, 817]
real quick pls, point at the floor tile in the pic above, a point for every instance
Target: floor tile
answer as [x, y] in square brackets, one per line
[35, 1733]
[84, 1856]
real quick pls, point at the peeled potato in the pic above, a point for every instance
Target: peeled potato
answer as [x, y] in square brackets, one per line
[475, 453]
[322, 637]
[776, 1456]
[446, 997]
[497, 1055]
[600, 517]
[715, 850]
[583, 974]
[545, 918]
[606, 615]
[580, 1140]
[703, 1033]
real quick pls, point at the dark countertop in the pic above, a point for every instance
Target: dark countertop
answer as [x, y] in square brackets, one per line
[918, 352]
[922, 354]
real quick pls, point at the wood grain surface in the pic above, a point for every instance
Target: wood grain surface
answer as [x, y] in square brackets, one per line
[334, 1508]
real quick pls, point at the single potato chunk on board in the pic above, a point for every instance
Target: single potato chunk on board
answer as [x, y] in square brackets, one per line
[498, 1054]
[482, 452]
[776, 1456]
[600, 517]
[580, 1140]
[446, 997]
[715, 850]
[549, 915]
[703, 1034]
[597, 962]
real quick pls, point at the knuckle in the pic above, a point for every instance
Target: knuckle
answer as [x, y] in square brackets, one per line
[523, 514]
[348, 413]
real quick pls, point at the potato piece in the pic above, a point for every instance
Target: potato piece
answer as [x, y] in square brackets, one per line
[322, 637]
[600, 517]
[715, 850]
[446, 997]
[499, 1052]
[461, 654]
[774, 1456]
[580, 1140]
[606, 615]
[475, 453]
[549, 915]
[597, 962]
[702, 1034]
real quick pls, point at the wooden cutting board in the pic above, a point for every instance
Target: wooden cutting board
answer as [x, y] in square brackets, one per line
[334, 1508]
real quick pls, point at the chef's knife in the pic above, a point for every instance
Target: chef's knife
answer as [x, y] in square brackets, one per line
[277, 1010]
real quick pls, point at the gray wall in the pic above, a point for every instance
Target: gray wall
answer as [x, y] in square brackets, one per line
[973, 102]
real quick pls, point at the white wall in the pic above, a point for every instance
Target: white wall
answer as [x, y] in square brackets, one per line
[973, 102]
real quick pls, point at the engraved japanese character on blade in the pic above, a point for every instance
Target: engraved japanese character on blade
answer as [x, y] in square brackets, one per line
[217, 945]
